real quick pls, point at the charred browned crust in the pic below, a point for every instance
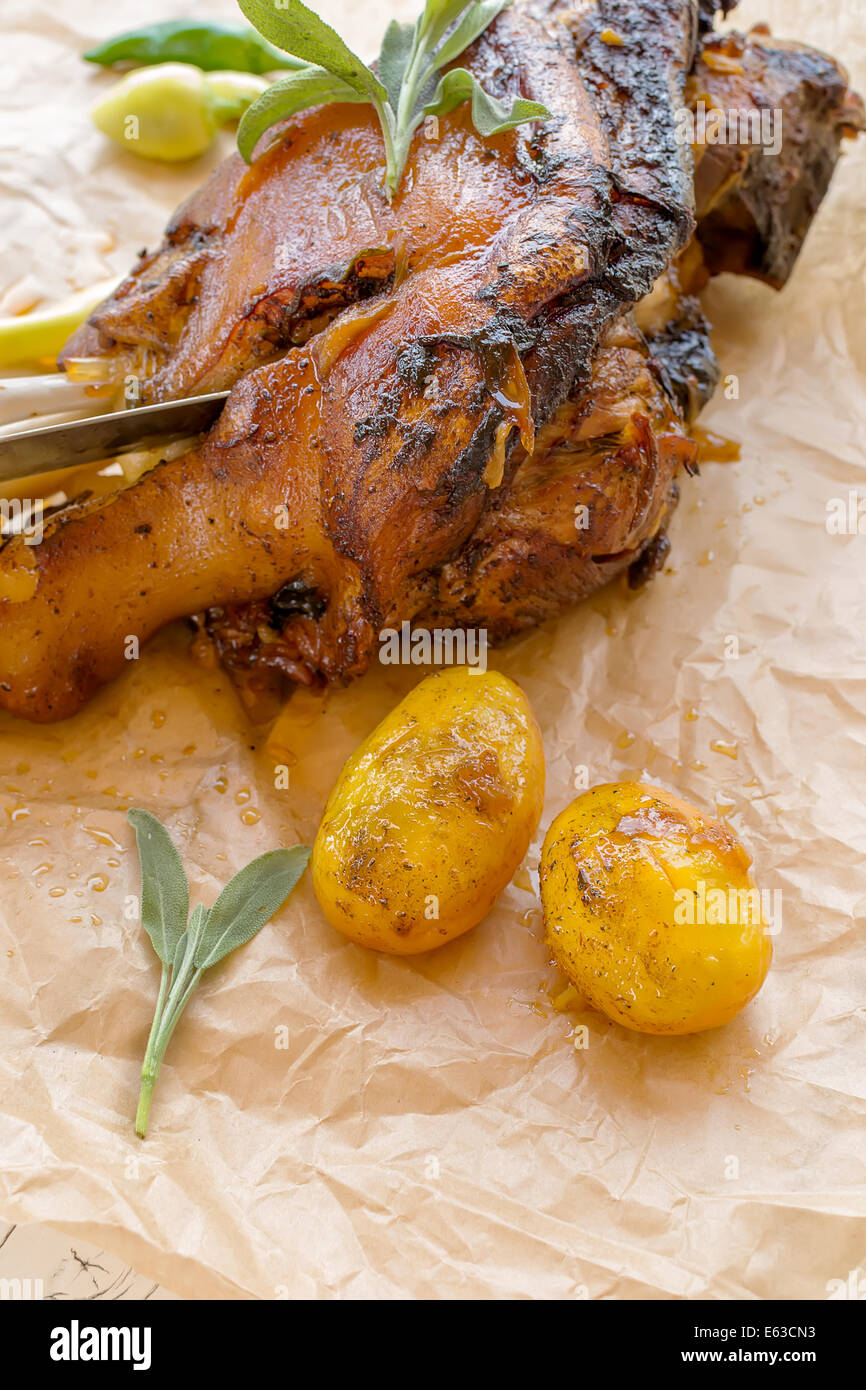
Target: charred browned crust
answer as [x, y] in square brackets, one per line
[410, 383]
[755, 209]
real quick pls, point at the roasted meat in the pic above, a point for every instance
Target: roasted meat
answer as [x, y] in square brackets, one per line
[754, 209]
[597, 487]
[442, 409]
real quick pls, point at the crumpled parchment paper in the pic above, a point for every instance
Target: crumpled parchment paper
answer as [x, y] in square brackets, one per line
[334, 1123]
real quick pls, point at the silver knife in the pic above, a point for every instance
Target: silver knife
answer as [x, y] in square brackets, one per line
[103, 436]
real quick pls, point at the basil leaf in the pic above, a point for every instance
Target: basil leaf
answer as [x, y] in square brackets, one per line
[397, 46]
[489, 116]
[248, 901]
[164, 889]
[473, 23]
[311, 86]
[212, 47]
[299, 30]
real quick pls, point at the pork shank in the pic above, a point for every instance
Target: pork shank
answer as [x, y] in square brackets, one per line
[442, 409]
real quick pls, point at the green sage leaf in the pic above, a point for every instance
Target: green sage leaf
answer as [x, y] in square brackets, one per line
[474, 22]
[299, 31]
[197, 926]
[211, 47]
[438, 17]
[181, 951]
[248, 901]
[397, 46]
[311, 86]
[164, 888]
[489, 115]
[189, 941]
[405, 89]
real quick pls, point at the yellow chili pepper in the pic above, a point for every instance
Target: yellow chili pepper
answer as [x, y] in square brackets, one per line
[38, 336]
[172, 112]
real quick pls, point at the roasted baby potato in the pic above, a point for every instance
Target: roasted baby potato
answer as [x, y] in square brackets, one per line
[430, 818]
[650, 910]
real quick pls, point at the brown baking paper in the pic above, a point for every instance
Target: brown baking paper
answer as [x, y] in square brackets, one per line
[333, 1123]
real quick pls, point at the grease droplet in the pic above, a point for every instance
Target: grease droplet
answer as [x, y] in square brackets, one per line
[730, 750]
[102, 837]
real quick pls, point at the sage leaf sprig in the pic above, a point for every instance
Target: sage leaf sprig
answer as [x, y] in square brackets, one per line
[407, 87]
[211, 47]
[187, 949]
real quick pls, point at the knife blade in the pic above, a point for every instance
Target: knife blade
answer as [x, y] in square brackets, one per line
[42, 450]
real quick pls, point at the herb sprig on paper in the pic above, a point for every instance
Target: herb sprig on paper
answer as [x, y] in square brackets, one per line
[409, 86]
[187, 949]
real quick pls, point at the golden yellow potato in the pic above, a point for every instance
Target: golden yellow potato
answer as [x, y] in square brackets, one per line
[650, 910]
[430, 818]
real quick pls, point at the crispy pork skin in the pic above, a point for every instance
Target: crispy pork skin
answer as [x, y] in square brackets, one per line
[441, 409]
[359, 461]
[594, 202]
[596, 491]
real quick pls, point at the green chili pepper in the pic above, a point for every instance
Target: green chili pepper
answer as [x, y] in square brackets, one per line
[211, 47]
